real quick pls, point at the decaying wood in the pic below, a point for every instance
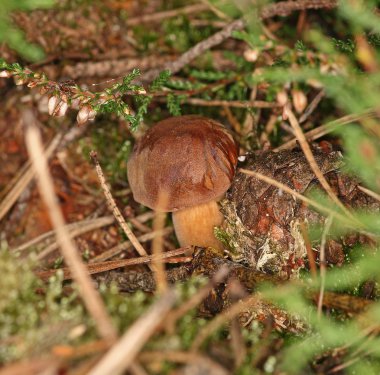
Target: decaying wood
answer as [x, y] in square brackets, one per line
[263, 222]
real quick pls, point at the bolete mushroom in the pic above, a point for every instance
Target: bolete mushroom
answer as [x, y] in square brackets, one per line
[184, 165]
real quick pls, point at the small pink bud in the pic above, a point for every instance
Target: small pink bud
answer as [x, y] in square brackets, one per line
[282, 98]
[52, 104]
[5, 74]
[251, 55]
[86, 113]
[60, 109]
[299, 100]
[32, 84]
[141, 91]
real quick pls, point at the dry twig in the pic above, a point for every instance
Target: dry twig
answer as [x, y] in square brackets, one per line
[91, 298]
[94, 268]
[115, 210]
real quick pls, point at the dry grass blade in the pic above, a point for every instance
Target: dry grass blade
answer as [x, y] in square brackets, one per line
[90, 296]
[115, 210]
[322, 130]
[322, 264]
[127, 244]
[74, 229]
[369, 192]
[122, 354]
[312, 162]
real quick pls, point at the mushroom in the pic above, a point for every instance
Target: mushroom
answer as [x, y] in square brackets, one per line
[184, 165]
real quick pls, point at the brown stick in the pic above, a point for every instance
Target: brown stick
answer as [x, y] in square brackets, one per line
[115, 210]
[94, 268]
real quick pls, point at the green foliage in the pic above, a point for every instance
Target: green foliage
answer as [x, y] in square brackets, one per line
[160, 81]
[173, 104]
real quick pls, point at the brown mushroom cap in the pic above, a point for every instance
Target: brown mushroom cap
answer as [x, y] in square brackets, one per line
[188, 160]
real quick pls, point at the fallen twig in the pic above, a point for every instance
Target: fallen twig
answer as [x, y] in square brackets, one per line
[115, 210]
[94, 268]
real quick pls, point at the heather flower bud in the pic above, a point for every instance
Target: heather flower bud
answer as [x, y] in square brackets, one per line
[86, 113]
[52, 104]
[57, 107]
[251, 55]
[299, 100]
[141, 91]
[32, 84]
[5, 74]
[60, 109]
[127, 111]
[282, 98]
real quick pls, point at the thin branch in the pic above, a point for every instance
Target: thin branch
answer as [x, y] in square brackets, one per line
[90, 296]
[122, 354]
[115, 210]
[94, 268]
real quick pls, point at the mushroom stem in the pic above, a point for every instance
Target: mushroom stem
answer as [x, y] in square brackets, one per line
[195, 225]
